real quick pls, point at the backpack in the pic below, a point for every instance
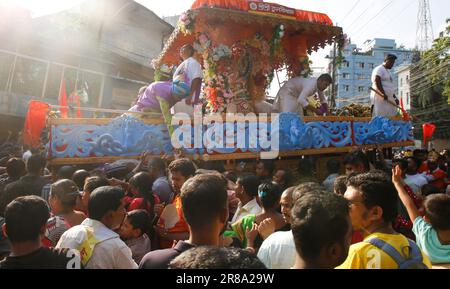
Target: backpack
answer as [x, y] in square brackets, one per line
[415, 260]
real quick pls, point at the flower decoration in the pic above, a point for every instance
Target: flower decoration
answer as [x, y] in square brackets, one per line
[186, 23]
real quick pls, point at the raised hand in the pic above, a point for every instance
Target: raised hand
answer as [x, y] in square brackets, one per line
[266, 228]
[397, 175]
[251, 235]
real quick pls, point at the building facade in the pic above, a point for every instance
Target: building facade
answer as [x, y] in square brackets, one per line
[404, 89]
[102, 49]
[353, 76]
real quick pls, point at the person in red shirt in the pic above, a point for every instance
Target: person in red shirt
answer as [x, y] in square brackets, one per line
[439, 177]
[422, 156]
[141, 188]
[180, 171]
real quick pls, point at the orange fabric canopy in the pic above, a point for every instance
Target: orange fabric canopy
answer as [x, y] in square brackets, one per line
[300, 15]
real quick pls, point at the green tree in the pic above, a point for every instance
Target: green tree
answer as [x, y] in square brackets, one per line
[430, 84]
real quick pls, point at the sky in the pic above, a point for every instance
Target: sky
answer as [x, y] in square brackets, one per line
[360, 19]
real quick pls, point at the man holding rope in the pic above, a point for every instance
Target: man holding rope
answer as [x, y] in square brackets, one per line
[383, 96]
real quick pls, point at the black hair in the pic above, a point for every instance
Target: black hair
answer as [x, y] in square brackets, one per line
[144, 183]
[356, 157]
[250, 183]
[202, 198]
[11, 192]
[66, 191]
[287, 177]
[140, 219]
[184, 166]
[429, 189]
[333, 166]
[305, 167]
[418, 152]
[269, 194]
[214, 166]
[191, 49]
[103, 200]
[15, 168]
[340, 185]
[305, 188]
[25, 217]
[212, 257]
[79, 177]
[35, 164]
[158, 164]
[402, 163]
[416, 160]
[390, 57]
[93, 183]
[66, 172]
[269, 166]
[318, 220]
[437, 209]
[326, 77]
[377, 190]
[230, 175]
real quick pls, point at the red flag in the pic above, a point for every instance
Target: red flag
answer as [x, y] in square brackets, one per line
[428, 131]
[401, 103]
[78, 103]
[35, 122]
[63, 99]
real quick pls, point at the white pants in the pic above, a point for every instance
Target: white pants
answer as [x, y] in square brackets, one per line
[285, 102]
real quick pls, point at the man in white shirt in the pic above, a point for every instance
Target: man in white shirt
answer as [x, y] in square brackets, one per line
[278, 250]
[292, 97]
[413, 178]
[382, 81]
[99, 246]
[191, 70]
[246, 191]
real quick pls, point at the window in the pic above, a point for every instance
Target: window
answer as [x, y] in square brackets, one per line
[360, 76]
[371, 65]
[86, 84]
[401, 81]
[361, 89]
[407, 98]
[53, 82]
[361, 65]
[346, 87]
[345, 63]
[6, 61]
[29, 77]
[346, 75]
[407, 79]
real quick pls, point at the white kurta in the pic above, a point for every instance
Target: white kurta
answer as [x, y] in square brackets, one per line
[382, 107]
[292, 97]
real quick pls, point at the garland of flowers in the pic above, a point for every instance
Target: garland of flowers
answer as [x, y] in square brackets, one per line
[300, 67]
[163, 71]
[186, 23]
[217, 88]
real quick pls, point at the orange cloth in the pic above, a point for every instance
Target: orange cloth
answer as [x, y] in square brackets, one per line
[179, 227]
[301, 15]
[35, 122]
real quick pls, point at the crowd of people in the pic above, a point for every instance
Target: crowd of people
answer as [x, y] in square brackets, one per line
[369, 212]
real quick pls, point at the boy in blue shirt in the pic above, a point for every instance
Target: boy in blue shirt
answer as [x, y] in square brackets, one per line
[433, 230]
